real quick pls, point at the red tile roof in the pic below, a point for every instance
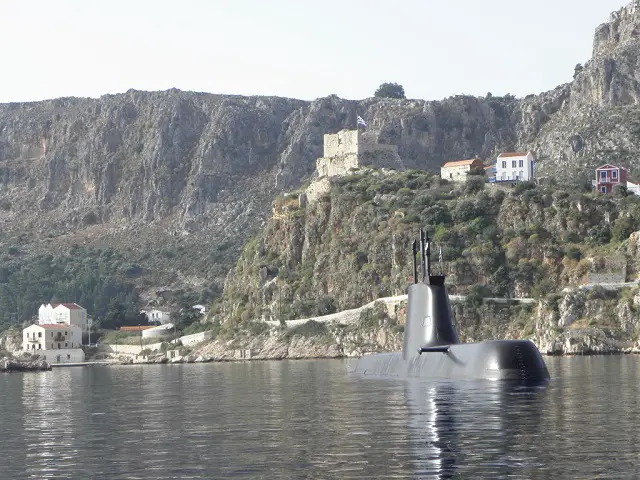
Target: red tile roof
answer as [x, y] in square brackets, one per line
[460, 163]
[513, 154]
[136, 328]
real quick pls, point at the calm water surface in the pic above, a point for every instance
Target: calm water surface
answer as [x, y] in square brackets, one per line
[311, 419]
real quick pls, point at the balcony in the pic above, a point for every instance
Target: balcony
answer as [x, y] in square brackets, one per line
[59, 339]
[607, 179]
[34, 340]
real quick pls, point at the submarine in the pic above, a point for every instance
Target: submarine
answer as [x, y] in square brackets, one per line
[432, 349]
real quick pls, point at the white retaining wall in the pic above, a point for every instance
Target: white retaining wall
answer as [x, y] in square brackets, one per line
[186, 340]
[347, 317]
[195, 338]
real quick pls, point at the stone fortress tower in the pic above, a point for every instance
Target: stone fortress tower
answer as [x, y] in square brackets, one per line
[346, 152]
[349, 149]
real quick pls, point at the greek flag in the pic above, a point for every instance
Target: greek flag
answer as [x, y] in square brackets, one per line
[361, 121]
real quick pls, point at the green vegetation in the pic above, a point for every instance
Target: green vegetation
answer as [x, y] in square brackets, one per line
[96, 279]
[353, 246]
[389, 90]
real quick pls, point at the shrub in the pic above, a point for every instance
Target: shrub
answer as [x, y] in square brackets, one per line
[389, 90]
[622, 228]
[573, 253]
[308, 330]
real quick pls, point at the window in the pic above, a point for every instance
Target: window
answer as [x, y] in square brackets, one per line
[39, 334]
[603, 175]
[614, 174]
[504, 164]
[521, 164]
[65, 345]
[603, 189]
[52, 345]
[59, 347]
[52, 334]
[521, 175]
[39, 347]
[68, 357]
[513, 164]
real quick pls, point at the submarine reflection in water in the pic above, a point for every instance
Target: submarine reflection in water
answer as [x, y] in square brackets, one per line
[432, 348]
[473, 430]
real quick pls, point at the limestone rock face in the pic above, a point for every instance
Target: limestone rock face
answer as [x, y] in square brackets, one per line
[203, 167]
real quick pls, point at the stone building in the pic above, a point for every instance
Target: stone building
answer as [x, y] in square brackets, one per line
[350, 149]
[458, 171]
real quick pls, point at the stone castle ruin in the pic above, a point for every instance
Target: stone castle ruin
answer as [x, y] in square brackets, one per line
[345, 152]
[351, 149]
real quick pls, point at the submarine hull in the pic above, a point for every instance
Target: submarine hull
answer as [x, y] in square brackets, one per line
[511, 360]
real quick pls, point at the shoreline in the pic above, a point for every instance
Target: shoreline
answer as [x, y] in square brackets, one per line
[20, 367]
[340, 357]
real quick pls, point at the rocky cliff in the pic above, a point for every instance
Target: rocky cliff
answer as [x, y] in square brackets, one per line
[177, 181]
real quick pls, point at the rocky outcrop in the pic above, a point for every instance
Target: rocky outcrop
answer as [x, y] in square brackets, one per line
[14, 365]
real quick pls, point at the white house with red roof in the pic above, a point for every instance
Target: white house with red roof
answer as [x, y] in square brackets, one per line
[63, 313]
[458, 171]
[55, 343]
[515, 166]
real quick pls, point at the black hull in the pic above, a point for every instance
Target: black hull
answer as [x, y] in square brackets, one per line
[510, 360]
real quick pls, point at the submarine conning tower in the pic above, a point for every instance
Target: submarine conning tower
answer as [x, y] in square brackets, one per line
[429, 325]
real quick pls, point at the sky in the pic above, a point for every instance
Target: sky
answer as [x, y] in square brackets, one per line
[293, 48]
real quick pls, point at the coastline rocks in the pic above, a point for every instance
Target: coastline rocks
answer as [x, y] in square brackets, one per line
[12, 365]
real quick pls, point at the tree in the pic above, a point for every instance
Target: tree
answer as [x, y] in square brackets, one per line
[390, 90]
[622, 228]
[620, 191]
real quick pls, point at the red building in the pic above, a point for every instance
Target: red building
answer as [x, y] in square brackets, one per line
[608, 176]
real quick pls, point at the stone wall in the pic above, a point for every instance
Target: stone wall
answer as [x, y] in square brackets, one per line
[334, 166]
[349, 149]
[342, 143]
[616, 277]
[127, 349]
[192, 339]
[455, 174]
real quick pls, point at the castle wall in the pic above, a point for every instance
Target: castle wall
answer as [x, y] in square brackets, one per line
[349, 149]
[341, 143]
[338, 165]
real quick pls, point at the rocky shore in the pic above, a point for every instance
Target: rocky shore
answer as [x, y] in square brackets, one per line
[14, 365]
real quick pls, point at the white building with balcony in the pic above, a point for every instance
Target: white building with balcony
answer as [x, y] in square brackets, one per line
[55, 343]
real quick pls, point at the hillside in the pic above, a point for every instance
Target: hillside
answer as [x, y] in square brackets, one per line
[352, 246]
[172, 184]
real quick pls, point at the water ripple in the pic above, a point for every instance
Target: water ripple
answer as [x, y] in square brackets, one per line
[310, 419]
